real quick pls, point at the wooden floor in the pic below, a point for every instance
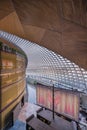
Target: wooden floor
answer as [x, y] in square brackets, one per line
[60, 25]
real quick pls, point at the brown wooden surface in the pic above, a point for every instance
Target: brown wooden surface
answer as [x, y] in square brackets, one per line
[46, 114]
[59, 25]
[12, 24]
[75, 11]
[6, 7]
[37, 124]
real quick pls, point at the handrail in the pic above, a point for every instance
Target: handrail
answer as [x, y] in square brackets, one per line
[52, 81]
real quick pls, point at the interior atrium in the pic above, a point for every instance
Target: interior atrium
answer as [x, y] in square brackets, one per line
[43, 55]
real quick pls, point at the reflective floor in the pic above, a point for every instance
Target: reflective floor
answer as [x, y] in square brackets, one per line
[27, 110]
[18, 125]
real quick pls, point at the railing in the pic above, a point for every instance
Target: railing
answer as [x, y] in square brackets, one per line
[82, 125]
[50, 81]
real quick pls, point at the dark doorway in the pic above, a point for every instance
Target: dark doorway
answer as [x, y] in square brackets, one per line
[8, 121]
[22, 101]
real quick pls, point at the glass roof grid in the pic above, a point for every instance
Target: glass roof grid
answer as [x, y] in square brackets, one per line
[62, 76]
[56, 70]
[54, 65]
[82, 77]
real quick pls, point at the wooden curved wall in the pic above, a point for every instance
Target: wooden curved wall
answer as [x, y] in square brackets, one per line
[12, 80]
[59, 25]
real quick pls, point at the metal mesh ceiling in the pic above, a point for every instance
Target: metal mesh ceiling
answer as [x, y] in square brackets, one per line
[46, 66]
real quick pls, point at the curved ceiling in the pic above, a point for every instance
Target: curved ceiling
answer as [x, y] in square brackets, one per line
[59, 25]
[46, 66]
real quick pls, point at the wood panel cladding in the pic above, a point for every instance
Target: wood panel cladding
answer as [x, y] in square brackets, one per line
[12, 24]
[41, 13]
[59, 25]
[75, 11]
[6, 7]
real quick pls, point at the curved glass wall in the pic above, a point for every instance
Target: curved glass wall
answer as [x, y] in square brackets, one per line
[45, 66]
